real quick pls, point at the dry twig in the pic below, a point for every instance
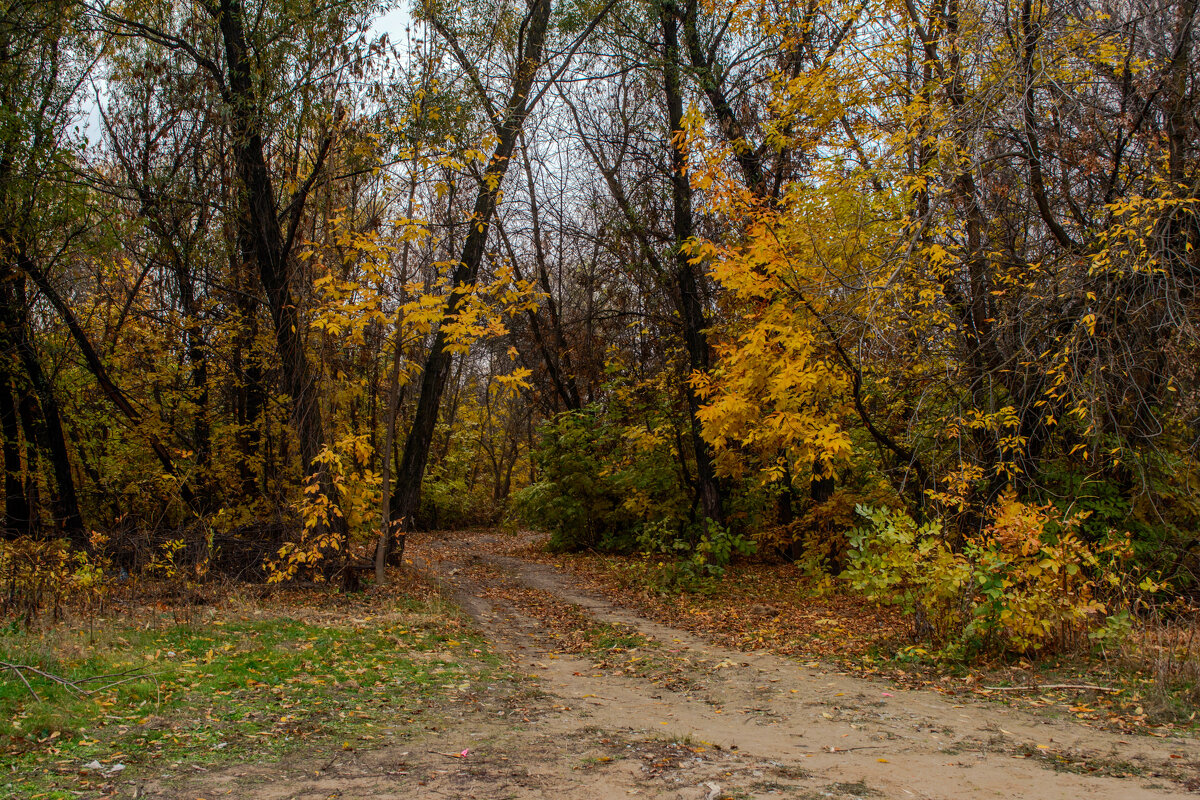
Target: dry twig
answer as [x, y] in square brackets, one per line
[24, 680]
[1081, 687]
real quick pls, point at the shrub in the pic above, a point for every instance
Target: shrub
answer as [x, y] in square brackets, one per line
[450, 499]
[39, 575]
[697, 555]
[597, 486]
[1028, 583]
[896, 561]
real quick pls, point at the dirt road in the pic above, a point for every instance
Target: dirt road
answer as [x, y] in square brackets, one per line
[625, 707]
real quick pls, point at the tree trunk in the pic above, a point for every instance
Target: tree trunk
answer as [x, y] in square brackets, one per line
[44, 429]
[16, 504]
[52, 440]
[691, 309]
[437, 364]
[264, 244]
[250, 399]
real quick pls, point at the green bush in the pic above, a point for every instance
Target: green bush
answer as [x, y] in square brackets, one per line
[697, 555]
[452, 497]
[589, 493]
[606, 471]
[895, 561]
[611, 477]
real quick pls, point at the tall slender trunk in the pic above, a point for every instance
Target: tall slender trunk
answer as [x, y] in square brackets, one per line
[691, 309]
[197, 353]
[43, 430]
[250, 398]
[437, 364]
[264, 243]
[31, 421]
[53, 441]
[389, 415]
[16, 503]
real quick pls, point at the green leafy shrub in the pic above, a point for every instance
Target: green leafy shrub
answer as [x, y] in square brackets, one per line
[696, 555]
[896, 561]
[612, 477]
[597, 486]
[451, 500]
[609, 474]
[1149, 493]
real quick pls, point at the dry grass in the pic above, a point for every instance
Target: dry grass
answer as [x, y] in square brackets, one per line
[1164, 651]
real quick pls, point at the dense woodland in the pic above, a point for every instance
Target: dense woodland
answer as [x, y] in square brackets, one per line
[903, 291]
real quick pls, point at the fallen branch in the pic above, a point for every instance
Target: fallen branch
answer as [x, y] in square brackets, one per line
[131, 678]
[1082, 687]
[50, 676]
[91, 678]
[73, 686]
[24, 680]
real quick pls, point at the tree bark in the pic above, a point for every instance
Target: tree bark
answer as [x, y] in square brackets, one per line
[264, 243]
[44, 429]
[16, 504]
[389, 415]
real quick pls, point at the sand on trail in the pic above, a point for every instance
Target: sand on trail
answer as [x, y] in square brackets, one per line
[721, 724]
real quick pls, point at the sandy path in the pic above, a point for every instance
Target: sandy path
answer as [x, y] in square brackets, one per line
[706, 723]
[843, 731]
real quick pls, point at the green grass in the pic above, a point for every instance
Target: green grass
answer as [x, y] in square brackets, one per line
[857, 789]
[253, 684]
[605, 636]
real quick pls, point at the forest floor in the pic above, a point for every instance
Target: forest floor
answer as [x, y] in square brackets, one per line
[579, 696]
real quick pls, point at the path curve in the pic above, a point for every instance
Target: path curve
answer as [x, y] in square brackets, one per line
[834, 728]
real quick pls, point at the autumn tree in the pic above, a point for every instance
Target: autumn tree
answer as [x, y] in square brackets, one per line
[964, 276]
[44, 58]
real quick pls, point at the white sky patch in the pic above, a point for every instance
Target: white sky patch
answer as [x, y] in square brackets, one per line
[393, 22]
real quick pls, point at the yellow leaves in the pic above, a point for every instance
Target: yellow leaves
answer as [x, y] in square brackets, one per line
[646, 441]
[995, 421]
[958, 485]
[701, 384]
[771, 391]
[778, 385]
[1131, 242]
[342, 468]
[938, 256]
[516, 380]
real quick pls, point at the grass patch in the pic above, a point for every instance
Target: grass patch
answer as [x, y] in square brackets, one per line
[247, 682]
[604, 637]
[856, 789]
